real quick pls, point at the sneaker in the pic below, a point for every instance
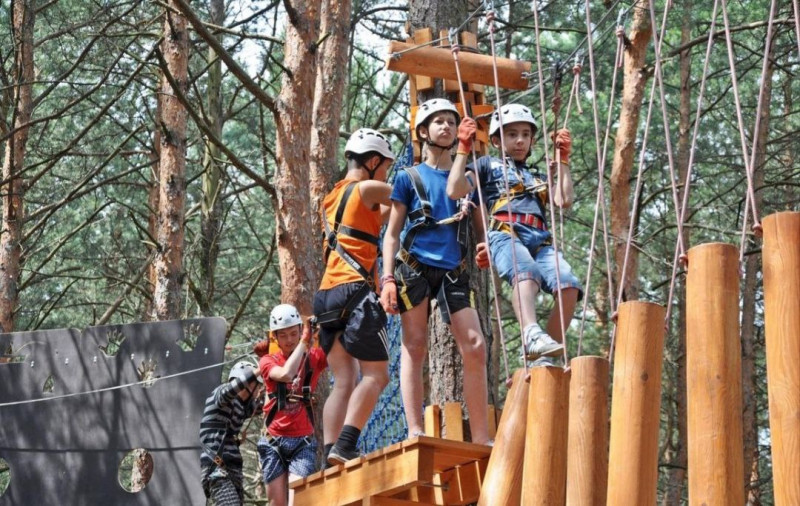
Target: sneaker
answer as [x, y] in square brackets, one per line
[545, 362]
[416, 433]
[339, 456]
[538, 343]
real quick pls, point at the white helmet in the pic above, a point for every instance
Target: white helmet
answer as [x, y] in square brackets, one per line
[512, 113]
[365, 140]
[284, 316]
[431, 107]
[243, 371]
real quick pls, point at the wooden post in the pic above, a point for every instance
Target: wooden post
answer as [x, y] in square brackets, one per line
[714, 376]
[544, 475]
[587, 456]
[503, 481]
[475, 68]
[636, 404]
[781, 263]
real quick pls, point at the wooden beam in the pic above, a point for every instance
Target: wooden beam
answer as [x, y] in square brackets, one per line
[423, 82]
[503, 481]
[781, 259]
[475, 68]
[587, 457]
[714, 376]
[453, 421]
[544, 473]
[636, 404]
[433, 426]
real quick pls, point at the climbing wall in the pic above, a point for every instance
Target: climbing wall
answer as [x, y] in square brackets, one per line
[70, 410]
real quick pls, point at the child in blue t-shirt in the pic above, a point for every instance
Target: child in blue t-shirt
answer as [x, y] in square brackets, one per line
[518, 220]
[423, 258]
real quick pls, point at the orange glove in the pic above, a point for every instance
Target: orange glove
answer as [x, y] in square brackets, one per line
[466, 132]
[563, 141]
[482, 255]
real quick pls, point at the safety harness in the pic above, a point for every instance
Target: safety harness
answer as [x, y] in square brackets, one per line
[502, 220]
[283, 398]
[332, 244]
[422, 219]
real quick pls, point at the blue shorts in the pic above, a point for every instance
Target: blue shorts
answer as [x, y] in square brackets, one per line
[279, 455]
[535, 259]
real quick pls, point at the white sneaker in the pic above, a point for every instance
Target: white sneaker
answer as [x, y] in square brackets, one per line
[538, 343]
[545, 362]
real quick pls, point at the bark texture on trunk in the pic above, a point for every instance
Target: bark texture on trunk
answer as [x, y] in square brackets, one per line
[328, 99]
[172, 179]
[14, 186]
[634, 79]
[298, 241]
[211, 205]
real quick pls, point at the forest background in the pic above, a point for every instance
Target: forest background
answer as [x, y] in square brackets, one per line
[166, 160]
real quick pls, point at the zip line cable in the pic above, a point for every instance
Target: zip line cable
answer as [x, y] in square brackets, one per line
[119, 387]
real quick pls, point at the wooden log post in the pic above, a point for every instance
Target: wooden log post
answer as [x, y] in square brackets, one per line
[781, 263]
[475, 68]
[587, 448]
[544, 475]
[502, 483]
[714, 376]
[636, 404]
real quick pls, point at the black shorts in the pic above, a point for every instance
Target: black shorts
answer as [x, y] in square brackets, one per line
[362, 329]
[415, 284]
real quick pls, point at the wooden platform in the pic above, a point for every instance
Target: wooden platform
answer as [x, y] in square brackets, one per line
[422, 470]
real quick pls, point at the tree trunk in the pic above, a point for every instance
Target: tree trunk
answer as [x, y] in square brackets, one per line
[153, 192]
[679, 459]
[328, 99]
[752, 271]
[634, 80]
[298, 244]
[211, 205]
[789, 192]
[172, 180]
[13, 188]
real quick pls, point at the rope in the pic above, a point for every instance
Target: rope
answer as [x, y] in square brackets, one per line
[687, 181]
[549, 179]
[735, 85]
[601, 164]
[637, 191]
[490, 21]
[751, 197]
[454, 49]
[119, 387]
[665, 120]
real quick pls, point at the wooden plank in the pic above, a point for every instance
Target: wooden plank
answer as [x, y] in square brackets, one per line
[462, 485]
[781, 261]
[404, 470]
[469, 39]
[475, 68]
[389, 501]
[449, 85]
[424, 82]
[385, 474]
[492, 421]
[412, 86]
[433, 421]
[453, 421]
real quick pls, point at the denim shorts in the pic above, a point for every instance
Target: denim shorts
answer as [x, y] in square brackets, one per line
[279, 455]
[535, 259]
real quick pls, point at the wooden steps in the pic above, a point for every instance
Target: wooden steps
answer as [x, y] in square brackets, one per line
[422, 470]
